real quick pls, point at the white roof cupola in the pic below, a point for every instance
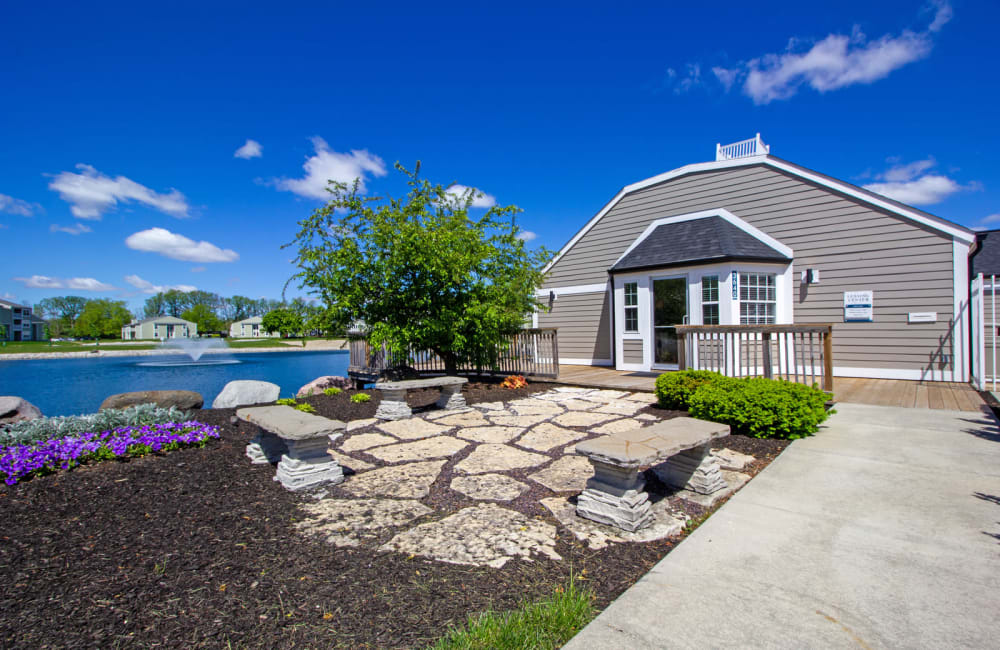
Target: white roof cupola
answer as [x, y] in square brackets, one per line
[742, 149]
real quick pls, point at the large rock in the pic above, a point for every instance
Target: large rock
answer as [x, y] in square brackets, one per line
[316, 386]
[245, 392]
[16, 409]
[185, 400]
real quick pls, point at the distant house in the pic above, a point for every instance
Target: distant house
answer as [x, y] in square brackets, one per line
[250, 328]
[158, 328]
[746, 240]
[20, 324]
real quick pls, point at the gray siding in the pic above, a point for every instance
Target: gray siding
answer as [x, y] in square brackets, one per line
[584, 322]
[632, 351]
[908, 266]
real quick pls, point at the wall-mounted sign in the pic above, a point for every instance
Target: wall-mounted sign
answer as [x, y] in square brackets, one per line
[858, 307]
[922, 317]
[736, 285]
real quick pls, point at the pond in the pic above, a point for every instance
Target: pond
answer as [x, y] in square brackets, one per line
[75, 386]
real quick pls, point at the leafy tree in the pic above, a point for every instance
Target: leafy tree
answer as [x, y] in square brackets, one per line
[103, 317]
[61, 312]
[238, 308]
[203, 317]
[283, 321]
[155, 306]
[174, 302]
[419, 270]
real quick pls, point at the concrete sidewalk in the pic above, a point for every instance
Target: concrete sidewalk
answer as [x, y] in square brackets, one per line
[882, 531]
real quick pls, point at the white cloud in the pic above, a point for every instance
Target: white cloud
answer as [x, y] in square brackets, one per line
[913, 184]
[837, 61]
[249, 150]
[527, 235]
[148, 287]
[327, 165]
[479, 198]
[75, 229]
[197, 269]
[8, 296]
[78, 284]
[989, 219]
[10, 205]
[178, 247]
[92, 193]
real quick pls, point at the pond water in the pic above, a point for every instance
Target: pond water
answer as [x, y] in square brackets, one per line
[75, 386]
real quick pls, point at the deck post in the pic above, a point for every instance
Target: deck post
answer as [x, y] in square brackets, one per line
[682, 351]
[828, 360]
[765, 341]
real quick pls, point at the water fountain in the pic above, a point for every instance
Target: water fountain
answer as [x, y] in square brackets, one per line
[192, 349]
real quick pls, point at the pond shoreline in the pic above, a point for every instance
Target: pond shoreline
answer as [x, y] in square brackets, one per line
[103, 354]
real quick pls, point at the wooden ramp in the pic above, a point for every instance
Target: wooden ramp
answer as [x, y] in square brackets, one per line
[879, 392]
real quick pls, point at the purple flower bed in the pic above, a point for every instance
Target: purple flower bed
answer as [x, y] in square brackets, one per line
[20, 462]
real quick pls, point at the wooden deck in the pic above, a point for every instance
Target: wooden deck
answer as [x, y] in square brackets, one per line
[879, 392]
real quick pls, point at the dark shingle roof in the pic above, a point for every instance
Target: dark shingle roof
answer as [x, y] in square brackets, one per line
[986, 259]
[710, 239]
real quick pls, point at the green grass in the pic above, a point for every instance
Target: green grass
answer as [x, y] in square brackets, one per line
[255, 343]
[548, 623]
[43, 347]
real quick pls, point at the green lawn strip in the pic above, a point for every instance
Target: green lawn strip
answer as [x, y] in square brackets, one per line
[259, 343]
[43, 347]
[548, 623]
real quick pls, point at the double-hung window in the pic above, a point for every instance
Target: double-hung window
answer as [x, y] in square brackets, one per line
[631, 306]
[710, 300]
[758, 298]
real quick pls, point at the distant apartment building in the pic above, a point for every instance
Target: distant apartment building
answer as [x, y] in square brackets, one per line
[250, 328]
[20, 324]
[159, 328]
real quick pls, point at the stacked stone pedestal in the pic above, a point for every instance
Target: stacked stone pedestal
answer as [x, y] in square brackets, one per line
[393, 405]
[694, 469]
[451, 397]
[306, 464]
[265, 448]
[615, 496]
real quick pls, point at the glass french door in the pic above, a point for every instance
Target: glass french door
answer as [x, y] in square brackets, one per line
[669, 309]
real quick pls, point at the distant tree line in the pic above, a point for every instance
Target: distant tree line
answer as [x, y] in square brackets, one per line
[77, 316]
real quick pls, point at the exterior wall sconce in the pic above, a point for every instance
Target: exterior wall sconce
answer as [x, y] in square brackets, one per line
[810, 276]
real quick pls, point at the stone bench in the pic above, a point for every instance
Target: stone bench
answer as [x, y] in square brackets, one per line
[297, 441]
[677, 449]
[394, 407]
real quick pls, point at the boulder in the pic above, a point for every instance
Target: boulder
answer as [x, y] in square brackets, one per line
[185, 400]
[15, 409]
[246, 392]
[316, 386]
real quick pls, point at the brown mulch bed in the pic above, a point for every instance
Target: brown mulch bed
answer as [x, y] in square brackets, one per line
[196, 548]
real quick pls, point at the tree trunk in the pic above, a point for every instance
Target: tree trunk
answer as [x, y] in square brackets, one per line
[450, 364]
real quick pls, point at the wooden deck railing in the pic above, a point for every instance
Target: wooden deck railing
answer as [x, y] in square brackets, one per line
[529, 352]
[800, 353]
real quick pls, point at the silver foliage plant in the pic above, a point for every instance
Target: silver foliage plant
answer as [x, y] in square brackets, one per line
[47, 428]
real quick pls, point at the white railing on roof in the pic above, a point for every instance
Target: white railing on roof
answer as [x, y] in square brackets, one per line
[752, 147]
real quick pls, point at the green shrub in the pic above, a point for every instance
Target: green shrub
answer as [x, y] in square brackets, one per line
[359, 398]
[762, 408]
[674, 389]
[47, 428]
[549, 623]
[305, 408]
[286, 401]
[332, 390]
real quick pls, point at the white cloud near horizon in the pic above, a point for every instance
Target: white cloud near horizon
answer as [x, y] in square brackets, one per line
[915, 184]
[10, 205]
[148, 287]
[988, 219]
[77, 284]
[480, 199]
[75, 229]
[834, 62]
[91, 193]
[178, 247]
[326, 165]
[8, 296]
[197, 269]
[527, 235]
[251, 149]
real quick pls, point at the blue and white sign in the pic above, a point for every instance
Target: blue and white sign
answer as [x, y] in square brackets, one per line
[858, 307]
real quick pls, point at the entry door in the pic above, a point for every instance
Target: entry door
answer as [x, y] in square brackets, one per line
[669, 309]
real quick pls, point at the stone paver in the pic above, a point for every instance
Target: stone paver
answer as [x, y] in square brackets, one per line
[437, 447]
[490, 406]
[410, 481]
[667, 522]
[578, 405]
[364, 441]
[647, 417]
[349, 463]
[497, 458]
[469, 418]
[732, 460]
[490, 434]
[547, 436]
[354, 425]
[620, 426]
[349, 522]
[568, 474]
[581, 419]
[523, 421]
[535, 407]
[483, 535]
[646, 398]
[489, 487]
[621, 407]
[412, 428]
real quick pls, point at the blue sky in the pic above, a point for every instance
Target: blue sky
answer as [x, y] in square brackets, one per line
[120, 124]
